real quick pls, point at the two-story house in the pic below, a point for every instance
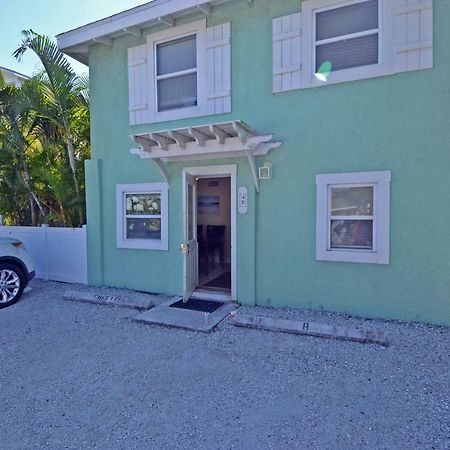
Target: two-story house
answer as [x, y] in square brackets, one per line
[282, 152]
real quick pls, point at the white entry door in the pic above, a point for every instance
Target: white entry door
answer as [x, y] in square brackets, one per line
[189, 247]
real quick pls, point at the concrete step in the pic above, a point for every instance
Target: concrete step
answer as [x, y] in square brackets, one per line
[167, 316]
[215, 296]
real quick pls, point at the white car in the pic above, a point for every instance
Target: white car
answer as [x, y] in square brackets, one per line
[16, 270]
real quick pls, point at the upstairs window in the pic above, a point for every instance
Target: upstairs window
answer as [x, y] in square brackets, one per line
[335, 41]
[176, 73]
[180, 72]
[347, 36]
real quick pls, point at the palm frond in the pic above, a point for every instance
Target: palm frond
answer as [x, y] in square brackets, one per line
[44, 139]
[60, 75]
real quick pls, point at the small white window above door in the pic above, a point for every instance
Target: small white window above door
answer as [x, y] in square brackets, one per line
[176, 73]
[181, 72]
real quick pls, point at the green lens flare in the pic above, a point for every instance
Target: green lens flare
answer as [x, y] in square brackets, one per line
[324, 71]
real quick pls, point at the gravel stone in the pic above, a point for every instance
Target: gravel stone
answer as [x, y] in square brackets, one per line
[81, 376]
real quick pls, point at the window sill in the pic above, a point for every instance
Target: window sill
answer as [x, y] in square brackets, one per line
[352, 256]
[137, 244]
[177, 114]
[345, 76]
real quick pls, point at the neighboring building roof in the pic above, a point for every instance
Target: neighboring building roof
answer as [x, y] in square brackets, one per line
[13, 77]
[75, 43]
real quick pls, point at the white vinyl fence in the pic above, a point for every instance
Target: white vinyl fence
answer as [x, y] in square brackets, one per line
[59, 254]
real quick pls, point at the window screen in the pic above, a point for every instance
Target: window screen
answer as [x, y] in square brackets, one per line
[177, 92]
[143, 216]
[176, 73]
[347, 20]
[351, 217]
[176, 56]
[348, 36]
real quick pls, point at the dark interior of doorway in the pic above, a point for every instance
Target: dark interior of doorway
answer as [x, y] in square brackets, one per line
[214, 233]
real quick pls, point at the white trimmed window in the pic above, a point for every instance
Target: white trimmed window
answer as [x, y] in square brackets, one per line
[352, 221]
[347, 36]
[181, 72]
[350, 35]
[334, 41]
[142, 216]
[177, 81]
[176, 73]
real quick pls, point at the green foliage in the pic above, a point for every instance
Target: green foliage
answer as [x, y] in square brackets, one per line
[44, 141]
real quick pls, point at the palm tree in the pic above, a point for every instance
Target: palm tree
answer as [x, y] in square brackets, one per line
[17, 141]
[65, 100]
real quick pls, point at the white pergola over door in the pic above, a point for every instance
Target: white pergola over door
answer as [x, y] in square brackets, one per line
[214, 140]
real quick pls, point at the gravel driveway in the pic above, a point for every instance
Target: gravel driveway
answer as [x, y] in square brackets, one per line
[82, 376]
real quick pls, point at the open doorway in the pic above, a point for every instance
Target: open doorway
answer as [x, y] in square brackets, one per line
[214, 233]
[209, 249]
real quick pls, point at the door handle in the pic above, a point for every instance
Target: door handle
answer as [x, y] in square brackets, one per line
[184, 248]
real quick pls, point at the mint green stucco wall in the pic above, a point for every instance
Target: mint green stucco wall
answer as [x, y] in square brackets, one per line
[399, 123]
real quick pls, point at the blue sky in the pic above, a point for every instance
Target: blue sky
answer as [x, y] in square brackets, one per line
[49, 17]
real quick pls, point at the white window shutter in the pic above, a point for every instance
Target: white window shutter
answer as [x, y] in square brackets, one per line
[287, 53]
[413, 35]
[218, 67]
[138, 85]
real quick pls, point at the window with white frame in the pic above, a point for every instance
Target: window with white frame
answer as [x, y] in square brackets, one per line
[180, 72]
[335, 41]
[353, 217]
[347, 36]
[142, 216]
[176, 73]
[177, 82]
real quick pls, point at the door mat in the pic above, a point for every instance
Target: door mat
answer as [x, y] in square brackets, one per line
[222, 281]
[200, 305]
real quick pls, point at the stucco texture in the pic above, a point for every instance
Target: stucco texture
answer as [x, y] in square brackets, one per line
[399, 123]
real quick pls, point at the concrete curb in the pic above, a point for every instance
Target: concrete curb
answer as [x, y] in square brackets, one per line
[309, 329]
[108, 300]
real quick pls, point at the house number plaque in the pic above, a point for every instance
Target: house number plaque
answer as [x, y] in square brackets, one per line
[243, 200]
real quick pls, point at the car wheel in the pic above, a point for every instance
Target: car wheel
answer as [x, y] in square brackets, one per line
[11, 284]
